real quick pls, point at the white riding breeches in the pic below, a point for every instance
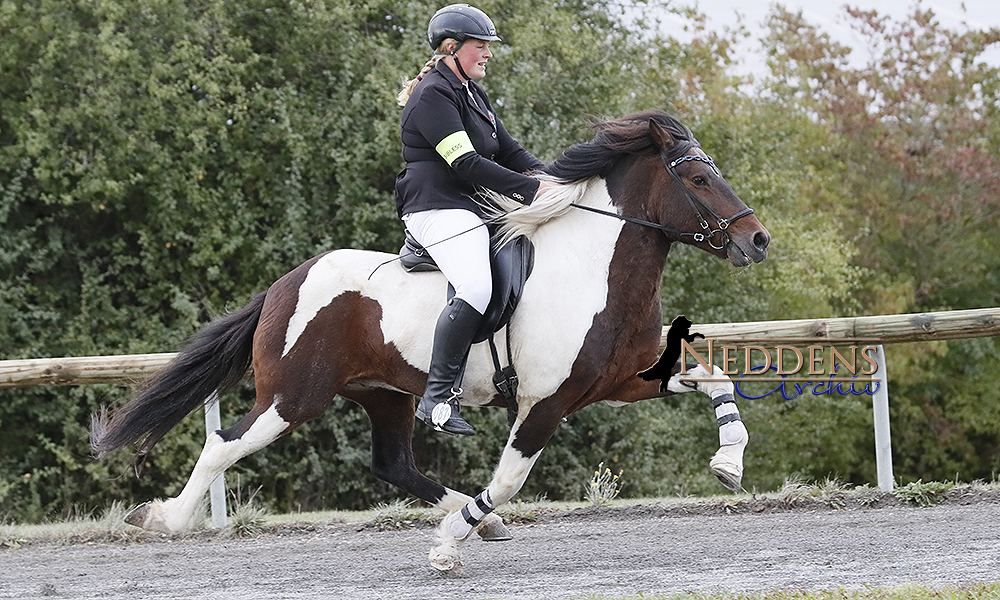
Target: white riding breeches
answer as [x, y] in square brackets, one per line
[459, 242]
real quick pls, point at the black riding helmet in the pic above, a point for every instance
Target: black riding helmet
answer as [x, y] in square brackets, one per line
[460, 22]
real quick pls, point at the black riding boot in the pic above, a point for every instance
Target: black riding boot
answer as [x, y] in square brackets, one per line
[453, 335]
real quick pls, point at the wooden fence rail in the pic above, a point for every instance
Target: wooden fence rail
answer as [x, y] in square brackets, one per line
[887, 329]
[891, 329]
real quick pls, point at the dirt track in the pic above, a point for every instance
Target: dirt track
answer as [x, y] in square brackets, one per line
[614, 552]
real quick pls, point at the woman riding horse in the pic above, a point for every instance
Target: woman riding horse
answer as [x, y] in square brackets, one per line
[329, 328]
[453, 143]
[587, 321]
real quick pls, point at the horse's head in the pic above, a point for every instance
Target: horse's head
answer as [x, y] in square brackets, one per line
[695, 205]
[658, 177]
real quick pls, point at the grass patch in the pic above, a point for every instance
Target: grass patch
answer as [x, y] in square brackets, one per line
[527, 511]
[831, 491]
[400, 514]
[109, 525]
[919, 493]
[244, 519]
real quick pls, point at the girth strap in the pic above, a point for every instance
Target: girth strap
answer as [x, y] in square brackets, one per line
[505, 379]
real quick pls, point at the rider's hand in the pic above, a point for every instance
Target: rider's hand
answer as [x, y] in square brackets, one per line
[545, 186]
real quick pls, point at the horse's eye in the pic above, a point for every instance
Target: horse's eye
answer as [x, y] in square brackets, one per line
[698, 180]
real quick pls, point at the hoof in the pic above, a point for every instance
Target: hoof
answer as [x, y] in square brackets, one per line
[493, 530]
[726, 469]
[138, 515]
[149, 516]
[727, 464]
[733, 482]
[444, 562]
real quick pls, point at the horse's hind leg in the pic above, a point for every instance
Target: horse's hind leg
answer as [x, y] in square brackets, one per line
[392, 418]
[261, 426]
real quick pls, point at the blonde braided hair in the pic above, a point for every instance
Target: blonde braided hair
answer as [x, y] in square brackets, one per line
[410, 84]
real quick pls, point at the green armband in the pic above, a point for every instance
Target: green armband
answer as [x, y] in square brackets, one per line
[455, 145]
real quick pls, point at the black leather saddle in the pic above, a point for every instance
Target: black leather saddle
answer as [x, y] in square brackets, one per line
[511, 265]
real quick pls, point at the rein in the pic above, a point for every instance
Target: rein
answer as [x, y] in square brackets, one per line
[693, 201]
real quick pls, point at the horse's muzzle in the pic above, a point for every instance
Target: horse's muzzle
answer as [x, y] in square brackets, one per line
[746, 248]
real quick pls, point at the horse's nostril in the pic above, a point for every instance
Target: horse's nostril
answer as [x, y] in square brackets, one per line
[761, 240]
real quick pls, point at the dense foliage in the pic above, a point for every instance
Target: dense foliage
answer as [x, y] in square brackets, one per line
[162, 160]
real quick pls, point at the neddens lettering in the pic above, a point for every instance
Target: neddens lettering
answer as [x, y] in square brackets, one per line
[818, 368]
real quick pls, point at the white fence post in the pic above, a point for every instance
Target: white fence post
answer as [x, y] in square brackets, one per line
[880, 409]
[217, 491]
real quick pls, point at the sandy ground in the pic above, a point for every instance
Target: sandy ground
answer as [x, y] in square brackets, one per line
[613, 552]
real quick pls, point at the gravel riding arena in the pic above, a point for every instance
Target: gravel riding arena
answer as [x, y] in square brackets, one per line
[742, 545]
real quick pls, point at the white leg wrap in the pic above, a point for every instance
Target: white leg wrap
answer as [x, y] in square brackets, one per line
[727, 464]
[460, 524]
[731, 428]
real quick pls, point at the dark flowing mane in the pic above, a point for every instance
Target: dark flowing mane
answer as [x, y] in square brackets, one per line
[614, 140]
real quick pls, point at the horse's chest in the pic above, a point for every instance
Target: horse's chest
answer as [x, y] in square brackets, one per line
[566, 292]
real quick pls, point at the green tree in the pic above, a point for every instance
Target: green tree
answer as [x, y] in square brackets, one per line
[909, 161]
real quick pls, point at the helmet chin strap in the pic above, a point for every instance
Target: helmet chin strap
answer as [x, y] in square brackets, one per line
[458, 63]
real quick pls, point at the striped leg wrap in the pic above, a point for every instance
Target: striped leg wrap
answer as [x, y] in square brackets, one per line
[474, 512]
[725, 407]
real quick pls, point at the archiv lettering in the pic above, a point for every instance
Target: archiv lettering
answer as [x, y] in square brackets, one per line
[858, 359]
[798, 388]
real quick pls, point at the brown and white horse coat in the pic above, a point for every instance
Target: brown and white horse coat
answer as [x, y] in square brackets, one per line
[587, 322]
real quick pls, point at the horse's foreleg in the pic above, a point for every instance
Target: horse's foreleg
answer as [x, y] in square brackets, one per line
[222, 449]
[727, 464]
[524, 445]
[392, 418]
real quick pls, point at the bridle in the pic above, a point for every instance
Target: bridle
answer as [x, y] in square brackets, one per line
[697, 206]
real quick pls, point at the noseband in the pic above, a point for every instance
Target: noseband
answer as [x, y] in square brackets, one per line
[697, 206]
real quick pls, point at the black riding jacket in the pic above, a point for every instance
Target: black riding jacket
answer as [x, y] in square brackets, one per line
[452, 145]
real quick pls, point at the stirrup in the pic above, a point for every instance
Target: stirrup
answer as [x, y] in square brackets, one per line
[444, 415]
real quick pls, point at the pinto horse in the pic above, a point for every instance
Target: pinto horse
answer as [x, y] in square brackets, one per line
[588, 321]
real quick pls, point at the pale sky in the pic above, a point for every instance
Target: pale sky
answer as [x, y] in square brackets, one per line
[831, 17]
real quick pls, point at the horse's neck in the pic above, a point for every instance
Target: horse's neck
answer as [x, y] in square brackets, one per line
[628, 257]
[635, 277]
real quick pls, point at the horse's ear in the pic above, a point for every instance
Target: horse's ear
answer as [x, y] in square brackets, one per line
[661, 137]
